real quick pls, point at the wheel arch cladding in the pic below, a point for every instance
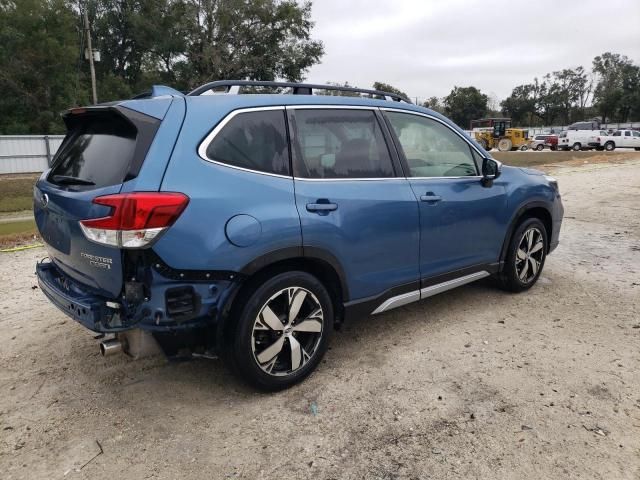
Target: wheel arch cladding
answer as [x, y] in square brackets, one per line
[532, 210]
[257, 272]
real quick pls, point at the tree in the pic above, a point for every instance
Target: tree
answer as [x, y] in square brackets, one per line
[435, 104]
[520, 105]
[464, 104]
[385, 87]
[180, 42]
[616, 92]
[257, 39]
[39, 55]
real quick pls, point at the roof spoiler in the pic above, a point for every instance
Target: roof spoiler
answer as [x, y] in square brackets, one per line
[159, 91]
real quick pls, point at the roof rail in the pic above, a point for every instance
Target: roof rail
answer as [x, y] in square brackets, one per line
[233, 87]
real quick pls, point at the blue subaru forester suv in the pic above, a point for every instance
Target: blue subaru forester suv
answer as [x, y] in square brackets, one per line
[251, 225]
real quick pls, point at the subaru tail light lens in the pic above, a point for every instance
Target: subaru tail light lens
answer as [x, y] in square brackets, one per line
[136, 219]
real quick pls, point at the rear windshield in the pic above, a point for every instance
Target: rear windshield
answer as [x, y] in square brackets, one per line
[97, 151]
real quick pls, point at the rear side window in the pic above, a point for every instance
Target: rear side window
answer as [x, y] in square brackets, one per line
[617, 134]
[253, 140]
[627, 134]
[98, 151]
[431, 148]
[636, 134]
[336, 143]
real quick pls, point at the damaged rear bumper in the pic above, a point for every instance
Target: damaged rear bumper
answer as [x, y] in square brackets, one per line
[168, 306]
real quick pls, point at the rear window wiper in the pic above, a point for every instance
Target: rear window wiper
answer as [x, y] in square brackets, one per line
[67, 180]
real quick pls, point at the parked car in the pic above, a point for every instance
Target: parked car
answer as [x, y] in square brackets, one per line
[539, 142]
[617, 139]
[252, 225]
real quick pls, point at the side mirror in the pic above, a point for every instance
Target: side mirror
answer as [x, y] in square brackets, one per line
[491, 170]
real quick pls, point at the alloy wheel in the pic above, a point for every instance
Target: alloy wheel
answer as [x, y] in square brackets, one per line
[287, 331]
[529, 255]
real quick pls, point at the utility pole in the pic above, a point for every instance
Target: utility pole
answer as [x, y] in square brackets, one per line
[90, 51]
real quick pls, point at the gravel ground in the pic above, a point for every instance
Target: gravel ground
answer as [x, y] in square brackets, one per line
[473, 383]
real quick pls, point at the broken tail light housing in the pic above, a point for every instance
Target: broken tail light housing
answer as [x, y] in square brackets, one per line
[136, 219]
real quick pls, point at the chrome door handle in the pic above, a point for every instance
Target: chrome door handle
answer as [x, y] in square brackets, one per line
[321, 207]
[430, 198]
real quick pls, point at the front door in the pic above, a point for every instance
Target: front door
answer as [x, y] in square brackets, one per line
[462, 220]
[353, 202]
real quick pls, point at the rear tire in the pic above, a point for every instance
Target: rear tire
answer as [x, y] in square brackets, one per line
[282, 332]
[525, 257]
[539, 148]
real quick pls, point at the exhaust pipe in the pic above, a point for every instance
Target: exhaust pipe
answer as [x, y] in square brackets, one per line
[135, 343]
[110, 347]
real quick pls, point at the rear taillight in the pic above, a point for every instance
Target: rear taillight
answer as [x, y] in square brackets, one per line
[136, 219]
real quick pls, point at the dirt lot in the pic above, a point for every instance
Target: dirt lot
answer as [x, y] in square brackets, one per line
[474, 383]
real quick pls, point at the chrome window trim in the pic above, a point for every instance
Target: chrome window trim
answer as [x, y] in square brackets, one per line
[366, 179]
[331, 107]
[202, 148]
[431, 117]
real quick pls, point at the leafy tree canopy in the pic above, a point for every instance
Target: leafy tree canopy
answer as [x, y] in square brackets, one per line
[464, 104]
[183, 43]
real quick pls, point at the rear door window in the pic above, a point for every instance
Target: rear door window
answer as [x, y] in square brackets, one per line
[97, 152]
[254, 141]
[335, 143]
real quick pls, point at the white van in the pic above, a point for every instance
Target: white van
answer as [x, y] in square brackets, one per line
[577, 139]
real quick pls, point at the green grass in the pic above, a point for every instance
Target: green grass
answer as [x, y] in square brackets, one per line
[16, 192]
[25, 226]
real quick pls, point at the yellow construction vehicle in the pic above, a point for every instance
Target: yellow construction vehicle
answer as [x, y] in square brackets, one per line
[497, 133]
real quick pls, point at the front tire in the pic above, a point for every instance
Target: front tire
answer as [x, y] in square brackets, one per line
[505, 145]
[539, 148]
[610, 147]
[577, 147]
[525, 257]
[283, 330]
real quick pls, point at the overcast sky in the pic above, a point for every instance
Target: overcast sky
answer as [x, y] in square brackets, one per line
[425, 47]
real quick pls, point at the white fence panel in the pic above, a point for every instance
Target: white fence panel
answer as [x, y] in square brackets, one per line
[27, 153]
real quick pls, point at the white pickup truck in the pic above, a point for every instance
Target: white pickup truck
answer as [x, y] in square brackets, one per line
[618, 139]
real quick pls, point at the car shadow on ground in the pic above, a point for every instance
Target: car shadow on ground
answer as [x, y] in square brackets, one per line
[360, 340]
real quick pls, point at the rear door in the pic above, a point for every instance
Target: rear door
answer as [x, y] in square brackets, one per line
[353, 202]
[104, 147]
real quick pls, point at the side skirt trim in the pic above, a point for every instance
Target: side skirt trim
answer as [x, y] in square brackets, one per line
[414, 296]
[456, 282]
[398, 301]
